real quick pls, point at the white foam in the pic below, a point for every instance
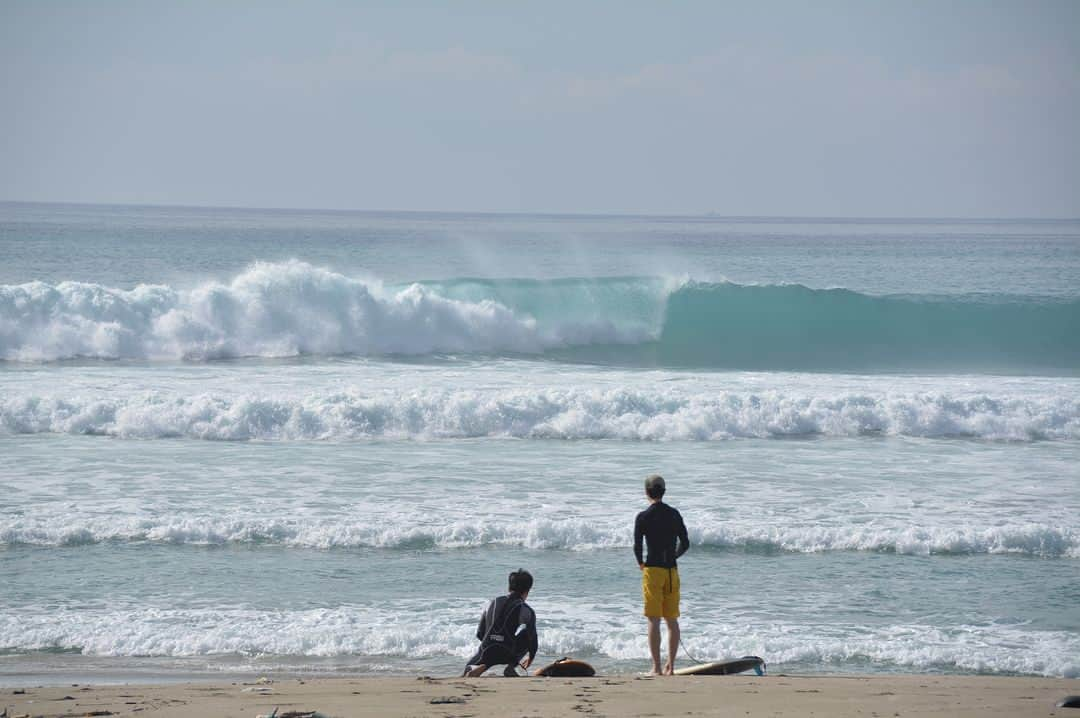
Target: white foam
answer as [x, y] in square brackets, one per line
[966, 648]
[270, 310]
[207, 632]
[447, 632]
[1031, 539]
[576, 534]
[539, 413]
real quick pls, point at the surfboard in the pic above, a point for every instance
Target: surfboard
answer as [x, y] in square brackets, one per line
[567, 668]
[725, 668]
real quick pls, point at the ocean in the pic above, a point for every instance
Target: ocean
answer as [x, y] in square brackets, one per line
[276, 442]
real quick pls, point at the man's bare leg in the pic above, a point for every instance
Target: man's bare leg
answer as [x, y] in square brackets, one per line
[654, 644]
[672, 645]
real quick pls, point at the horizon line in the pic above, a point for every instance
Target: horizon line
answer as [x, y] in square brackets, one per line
[707, 214]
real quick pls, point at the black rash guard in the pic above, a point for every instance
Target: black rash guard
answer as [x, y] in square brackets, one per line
[660, 526]
[498, 617]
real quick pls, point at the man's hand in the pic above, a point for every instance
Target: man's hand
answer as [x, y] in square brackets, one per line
[527, 662]
[641, 567]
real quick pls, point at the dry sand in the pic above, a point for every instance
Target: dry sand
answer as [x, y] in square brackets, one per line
[775, 695]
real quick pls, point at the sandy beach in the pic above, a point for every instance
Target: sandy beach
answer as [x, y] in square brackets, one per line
[775, 695]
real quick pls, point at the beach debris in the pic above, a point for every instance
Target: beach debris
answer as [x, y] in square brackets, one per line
[261, 681]
[19, 691]
[447, 699]
[261, 690]
[293, 714]
[99, 713]
[1069, 702]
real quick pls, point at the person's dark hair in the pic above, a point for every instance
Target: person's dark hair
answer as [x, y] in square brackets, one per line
[654, 486]
[520, 581]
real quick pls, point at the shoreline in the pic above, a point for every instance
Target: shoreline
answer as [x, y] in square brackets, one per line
[618, 695]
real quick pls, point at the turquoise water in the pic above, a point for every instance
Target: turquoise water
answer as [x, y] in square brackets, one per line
[320, 441]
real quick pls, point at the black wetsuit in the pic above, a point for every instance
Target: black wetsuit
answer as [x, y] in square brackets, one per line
[498, 624]
[663, 530]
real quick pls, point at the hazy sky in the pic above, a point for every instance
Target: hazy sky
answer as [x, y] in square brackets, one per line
[804, 108]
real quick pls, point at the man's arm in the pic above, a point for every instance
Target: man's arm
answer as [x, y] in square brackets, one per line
[534, 640]
[639, 535]
[684, 539]
[481, 630]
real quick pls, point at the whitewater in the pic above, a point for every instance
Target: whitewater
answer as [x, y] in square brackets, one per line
[677, 414]
[239, 441]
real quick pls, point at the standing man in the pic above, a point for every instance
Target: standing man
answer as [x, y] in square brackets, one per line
[663, 530]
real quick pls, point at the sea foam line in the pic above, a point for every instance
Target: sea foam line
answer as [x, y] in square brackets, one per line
[354, 631]
[624, 414]
[1022, 538]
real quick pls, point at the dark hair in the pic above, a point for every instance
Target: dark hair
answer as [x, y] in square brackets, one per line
[520, 581]
[655, 487]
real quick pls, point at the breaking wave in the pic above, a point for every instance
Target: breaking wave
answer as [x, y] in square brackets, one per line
[1026, 539]
[633, 415]
[348, 633]
[293, 308]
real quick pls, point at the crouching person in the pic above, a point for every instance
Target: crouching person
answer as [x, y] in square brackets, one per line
[507, 630]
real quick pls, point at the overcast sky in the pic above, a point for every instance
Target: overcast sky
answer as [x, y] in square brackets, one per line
[804, 108]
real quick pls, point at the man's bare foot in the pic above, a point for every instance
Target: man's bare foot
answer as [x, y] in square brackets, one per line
[669, 670]
[477, 671]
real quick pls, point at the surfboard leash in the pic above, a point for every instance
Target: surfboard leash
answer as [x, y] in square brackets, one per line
[687, 653]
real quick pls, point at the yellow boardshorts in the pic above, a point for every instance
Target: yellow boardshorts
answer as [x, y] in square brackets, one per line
[660, 587]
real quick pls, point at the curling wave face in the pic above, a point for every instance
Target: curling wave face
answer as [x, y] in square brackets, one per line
[293, 308]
